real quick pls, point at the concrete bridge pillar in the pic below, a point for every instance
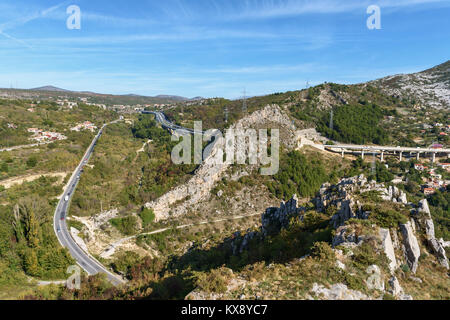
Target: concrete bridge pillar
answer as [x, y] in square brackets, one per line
[418, 156]
[382, 156]
[401, 156]
[362, 154]
[342, 153]
[434, 157]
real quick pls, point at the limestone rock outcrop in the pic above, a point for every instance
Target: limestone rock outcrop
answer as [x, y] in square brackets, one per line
[396, 289]
[346, 238]
[341, 196]
[274, 219]
[394, 194]
[436, 246]
[388, 248]
[337, 291]
[411, 245]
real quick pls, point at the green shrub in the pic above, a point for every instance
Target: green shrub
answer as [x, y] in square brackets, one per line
[388, 296]
[127, 225]
[323, 251]
[365, 256]
[405, 268]
[147, 216]
[32, 162]
[387, 218]
[214, 281]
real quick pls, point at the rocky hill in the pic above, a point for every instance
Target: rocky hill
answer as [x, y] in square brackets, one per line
[382, 247]
[430, 87]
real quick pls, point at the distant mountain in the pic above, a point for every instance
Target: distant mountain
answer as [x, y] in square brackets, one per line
[430, 87]
[50, 88]
[197, 98]
[161, 97]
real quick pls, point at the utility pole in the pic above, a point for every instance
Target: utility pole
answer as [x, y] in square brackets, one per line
[226, 114]
[374, 167]
[331, 119]
[244, 103]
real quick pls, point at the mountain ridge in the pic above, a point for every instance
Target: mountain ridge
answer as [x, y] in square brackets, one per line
[430, 87]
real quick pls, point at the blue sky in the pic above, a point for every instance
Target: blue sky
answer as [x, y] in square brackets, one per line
[216, 47]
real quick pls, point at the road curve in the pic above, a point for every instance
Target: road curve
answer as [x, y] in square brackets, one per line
[83, 258]
[213, 135]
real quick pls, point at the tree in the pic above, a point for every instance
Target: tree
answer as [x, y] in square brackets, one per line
[31, 264]
[383, 175]
[25, 217]
[412, 187]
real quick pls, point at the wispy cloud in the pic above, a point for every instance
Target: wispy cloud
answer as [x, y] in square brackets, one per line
[307, 67]
[24, 20]
[256, 9]
[117, 21]
[16, 40]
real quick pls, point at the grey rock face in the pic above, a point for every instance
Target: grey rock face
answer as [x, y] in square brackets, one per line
[395, 241]
[393, 194]
[346, 238]
[436, 245]
[424, 208]
[337, 291]
[375, 280]
[439, 250]
[340, 196]
[388, 248]
[412, 249]
[239, 243]
[395, 288]
[274, 219]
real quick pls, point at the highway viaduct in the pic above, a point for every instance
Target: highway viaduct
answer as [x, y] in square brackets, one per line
[382, 150]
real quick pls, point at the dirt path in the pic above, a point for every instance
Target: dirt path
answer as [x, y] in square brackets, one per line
[41, 283]
[143, 146]
[8, 183]
[112, 248]
[26, 146]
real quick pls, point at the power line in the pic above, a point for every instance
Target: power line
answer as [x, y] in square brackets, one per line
[226, 114]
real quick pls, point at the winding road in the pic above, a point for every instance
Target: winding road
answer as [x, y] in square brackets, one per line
[87, 262]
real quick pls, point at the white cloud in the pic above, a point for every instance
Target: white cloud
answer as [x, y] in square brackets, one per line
[253, 9]
[25, 19]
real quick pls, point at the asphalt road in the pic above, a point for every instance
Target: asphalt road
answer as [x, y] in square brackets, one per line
[161, 118]
[83, 258]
